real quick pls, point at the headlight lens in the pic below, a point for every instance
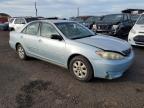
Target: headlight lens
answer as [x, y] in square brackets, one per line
[110, 55]
[115, 26]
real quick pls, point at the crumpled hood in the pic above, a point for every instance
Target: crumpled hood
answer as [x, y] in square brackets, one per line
[106, 43]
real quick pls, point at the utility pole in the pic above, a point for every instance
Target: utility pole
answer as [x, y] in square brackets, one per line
[77, 12]
[35, 8]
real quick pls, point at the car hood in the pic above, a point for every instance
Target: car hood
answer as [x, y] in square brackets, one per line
[106, 43]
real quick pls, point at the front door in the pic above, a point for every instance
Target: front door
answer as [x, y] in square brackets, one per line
[51, 49]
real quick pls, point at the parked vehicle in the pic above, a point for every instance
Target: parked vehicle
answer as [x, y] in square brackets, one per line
[115, 24]
[16, 23]
[92, 20]
[134, 18]
[79, 20]
[75, 47]
[136, 35]
[4, 24]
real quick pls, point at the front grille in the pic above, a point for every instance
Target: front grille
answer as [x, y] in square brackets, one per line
[139, 38]
[126, 52]
[141, 32]
[103, 27]
[140, 43]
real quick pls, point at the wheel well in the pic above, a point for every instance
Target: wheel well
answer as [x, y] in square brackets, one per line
[74, 55]
[17, 45]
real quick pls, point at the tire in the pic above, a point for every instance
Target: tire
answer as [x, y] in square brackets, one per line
[21, 52]
[11, 29]
[81, 68]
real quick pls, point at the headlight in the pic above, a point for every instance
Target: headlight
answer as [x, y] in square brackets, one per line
[94, 27]
[110, 55]
[133, 31]
[115, 26]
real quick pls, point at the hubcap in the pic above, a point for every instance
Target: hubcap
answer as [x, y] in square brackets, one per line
[80, 69]
[21, 52]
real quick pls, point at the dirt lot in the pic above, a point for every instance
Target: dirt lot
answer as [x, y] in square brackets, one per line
[38, 84]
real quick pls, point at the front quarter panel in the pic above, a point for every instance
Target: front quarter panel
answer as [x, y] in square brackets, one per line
[81, 49]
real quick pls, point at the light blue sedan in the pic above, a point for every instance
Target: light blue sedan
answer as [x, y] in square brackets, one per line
[73, 46]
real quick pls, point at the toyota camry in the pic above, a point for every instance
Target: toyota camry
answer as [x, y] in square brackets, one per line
[73, 46]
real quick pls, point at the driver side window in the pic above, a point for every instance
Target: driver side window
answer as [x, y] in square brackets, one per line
[47, 30]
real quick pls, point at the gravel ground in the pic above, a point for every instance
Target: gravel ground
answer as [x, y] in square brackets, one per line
[38, 84]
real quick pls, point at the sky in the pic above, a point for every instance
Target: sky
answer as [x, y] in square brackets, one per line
[67, 8]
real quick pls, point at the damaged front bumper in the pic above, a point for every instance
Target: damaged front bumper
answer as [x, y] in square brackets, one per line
[111, 69]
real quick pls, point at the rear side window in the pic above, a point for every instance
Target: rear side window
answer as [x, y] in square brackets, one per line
[32, 29]
[141, 20]
[19, 21]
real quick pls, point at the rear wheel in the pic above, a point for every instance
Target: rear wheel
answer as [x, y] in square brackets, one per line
[81, 68]
[21, 52]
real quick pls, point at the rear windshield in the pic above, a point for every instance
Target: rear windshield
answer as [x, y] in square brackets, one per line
[141, 20]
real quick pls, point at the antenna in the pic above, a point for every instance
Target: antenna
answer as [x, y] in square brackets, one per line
[77, 12]
[35, 8]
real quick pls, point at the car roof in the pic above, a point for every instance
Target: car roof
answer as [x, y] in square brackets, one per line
[55, 21]
[114, 14]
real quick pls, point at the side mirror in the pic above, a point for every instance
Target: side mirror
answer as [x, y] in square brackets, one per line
[56, 37]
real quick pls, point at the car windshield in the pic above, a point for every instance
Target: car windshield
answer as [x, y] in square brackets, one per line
[112, 18]
[134, 17]
[74, 30]
[141, 20]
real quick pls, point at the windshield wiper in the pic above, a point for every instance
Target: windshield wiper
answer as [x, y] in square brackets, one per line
[89, 35]
[83, 37]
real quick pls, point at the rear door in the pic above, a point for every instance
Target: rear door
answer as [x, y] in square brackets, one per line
[29, 38]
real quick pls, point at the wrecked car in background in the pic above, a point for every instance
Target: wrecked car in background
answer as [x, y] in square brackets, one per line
[136, 35]
[4, 23]
[92, 20]
[115, 25]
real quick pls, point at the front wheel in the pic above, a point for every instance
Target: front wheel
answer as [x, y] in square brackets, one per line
[21, 52]
[81, 68]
